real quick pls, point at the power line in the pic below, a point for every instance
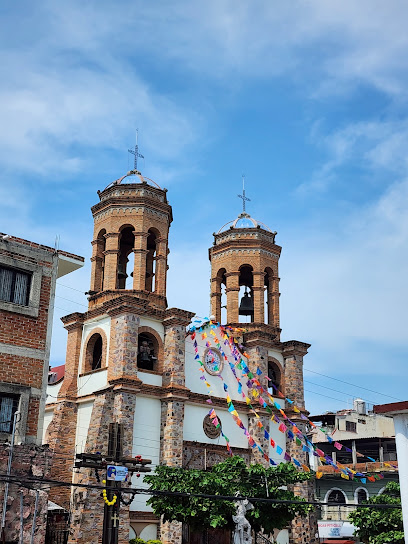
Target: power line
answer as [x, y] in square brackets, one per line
[68, 287]
[153, 492]
[352, 384]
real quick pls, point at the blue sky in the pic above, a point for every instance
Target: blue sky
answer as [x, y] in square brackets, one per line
[308, 99]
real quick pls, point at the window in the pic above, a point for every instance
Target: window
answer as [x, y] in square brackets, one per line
[14, 286]
[274, 375]
[147, 351]
[8, 407]
[351, 426]
[95, 351]
[362, 496]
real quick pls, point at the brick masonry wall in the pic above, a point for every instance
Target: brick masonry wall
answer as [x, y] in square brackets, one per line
[171, 439]
[28, 460]
[27, 331]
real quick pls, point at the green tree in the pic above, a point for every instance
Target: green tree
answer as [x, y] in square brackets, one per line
[227, 478]
[379, 526]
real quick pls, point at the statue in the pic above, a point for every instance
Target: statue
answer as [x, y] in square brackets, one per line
[242, 533]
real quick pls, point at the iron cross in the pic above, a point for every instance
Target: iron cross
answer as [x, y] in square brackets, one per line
[135, 151]
[244, 198]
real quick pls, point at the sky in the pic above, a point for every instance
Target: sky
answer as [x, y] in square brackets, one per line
[308, 99]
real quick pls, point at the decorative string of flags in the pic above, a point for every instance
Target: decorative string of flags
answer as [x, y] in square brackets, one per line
[259, 393]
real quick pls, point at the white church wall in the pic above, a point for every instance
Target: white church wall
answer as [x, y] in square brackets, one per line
[52, 392]
[150, 379]
[146, 442]
[153, 324]
[279, 439]
[193, 373]
[47, 420]
[276, 355]
[92, 382]
[83, 420]
[193, 426]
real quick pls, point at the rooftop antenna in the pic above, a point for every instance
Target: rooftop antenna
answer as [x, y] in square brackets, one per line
[135, 151]
[244, 198]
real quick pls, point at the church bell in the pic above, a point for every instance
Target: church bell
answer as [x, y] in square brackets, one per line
[121, 271]
[246, 306]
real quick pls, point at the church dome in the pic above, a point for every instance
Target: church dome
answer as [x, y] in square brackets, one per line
[244, 221]
[133, 176]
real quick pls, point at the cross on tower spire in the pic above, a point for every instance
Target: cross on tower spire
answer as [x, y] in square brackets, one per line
[135, 151]
[244, 198]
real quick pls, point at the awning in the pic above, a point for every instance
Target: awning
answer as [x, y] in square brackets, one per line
[338, 541]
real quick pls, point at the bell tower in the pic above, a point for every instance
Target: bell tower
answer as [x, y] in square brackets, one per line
[130, 242]
[244, 274]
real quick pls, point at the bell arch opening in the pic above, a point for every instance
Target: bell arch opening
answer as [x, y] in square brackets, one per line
[126, 245]
[246, 295]
[94, 353]
[152, 238]
[147, 352]
[275, 377]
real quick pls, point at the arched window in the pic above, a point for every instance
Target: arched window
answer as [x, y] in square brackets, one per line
[221, 299]
[336, 496]
[94, 353]
[126, 245]
[147, 351]
[151, 260]
[246, 305]
[275, 376]
[268, 296]
[361, 495]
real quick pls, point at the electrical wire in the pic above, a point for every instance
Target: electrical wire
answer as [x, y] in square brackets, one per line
[151, 492]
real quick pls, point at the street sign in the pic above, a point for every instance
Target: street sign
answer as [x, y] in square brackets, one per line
[117, 473]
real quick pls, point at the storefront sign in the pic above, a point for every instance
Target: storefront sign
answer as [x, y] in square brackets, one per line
[335, 529]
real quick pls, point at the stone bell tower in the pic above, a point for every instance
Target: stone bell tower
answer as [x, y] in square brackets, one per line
[130, 220]
[244, 254]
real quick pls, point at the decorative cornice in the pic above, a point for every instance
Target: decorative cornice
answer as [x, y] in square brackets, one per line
[176, 316]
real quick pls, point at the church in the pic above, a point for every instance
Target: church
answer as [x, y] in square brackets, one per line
[141, 378]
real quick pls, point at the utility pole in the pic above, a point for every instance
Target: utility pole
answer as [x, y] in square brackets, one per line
[99, 462]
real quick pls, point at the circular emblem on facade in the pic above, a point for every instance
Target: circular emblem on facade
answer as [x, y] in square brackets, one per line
[210, 429]
[213, 362]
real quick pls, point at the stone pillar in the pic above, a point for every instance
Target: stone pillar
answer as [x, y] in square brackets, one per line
[171, 440]
[216, 299]
[140, 251]
[175, 323]
[258, 357]
[61, 432]
[293, 353]
[232, 290]
[111, 261]
[161, 266]
[273, 303]
[123, 344]
[258, 434]
[302, 530]
[97, 260]
[258, 290]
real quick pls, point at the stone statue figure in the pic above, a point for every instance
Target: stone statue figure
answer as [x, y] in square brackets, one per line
[242, 533]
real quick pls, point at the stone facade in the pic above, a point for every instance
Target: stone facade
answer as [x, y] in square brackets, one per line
[133, 220]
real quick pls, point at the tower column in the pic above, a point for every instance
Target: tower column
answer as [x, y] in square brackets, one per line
[258, 290]
[161, 266]
[97, 259]
[216, 300]
[140, 251]
[273, 303]
[232, 290]
[111, 261]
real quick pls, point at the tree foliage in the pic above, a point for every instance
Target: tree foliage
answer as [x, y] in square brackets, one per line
[379, 526]
[227, 478]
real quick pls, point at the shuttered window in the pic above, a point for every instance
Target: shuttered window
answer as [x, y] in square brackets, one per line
[14, 286]
[8, 406]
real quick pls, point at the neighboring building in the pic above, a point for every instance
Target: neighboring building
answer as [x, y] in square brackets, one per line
[131, 382]
[366, 435]
[28, 273]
